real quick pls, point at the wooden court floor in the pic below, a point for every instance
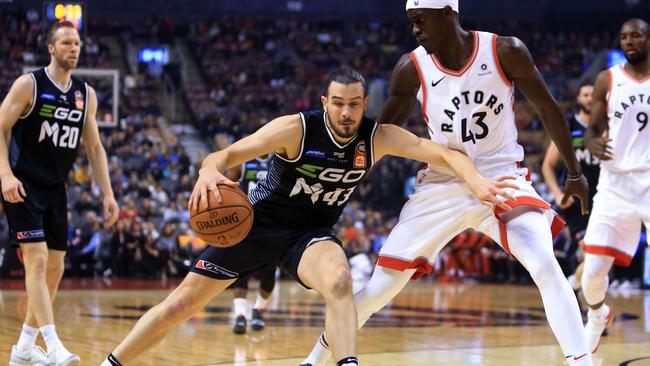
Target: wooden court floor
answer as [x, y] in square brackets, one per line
[427, 324]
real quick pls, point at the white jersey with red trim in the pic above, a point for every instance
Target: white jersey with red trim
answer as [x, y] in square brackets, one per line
[628, 111]
[470, 110]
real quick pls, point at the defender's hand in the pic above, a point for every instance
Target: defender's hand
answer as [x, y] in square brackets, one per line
[578, 189]
[208, 180]
[601, 147]
[12, 189]
[491, 191]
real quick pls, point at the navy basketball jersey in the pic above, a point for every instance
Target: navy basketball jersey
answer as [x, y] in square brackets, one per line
[312, 189]
[45, 141]
[590, 164]
[254, 171]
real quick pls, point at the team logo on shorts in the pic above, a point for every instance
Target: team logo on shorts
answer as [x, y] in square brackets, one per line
[32, 234]
[360, 155]
[211, 267]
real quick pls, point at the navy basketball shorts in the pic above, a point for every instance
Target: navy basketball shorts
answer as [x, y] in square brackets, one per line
[266, 276]
[43, 216]
[263, 246]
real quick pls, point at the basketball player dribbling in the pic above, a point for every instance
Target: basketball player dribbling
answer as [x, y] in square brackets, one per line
[320, 157]
[465, 81]
[619, 135]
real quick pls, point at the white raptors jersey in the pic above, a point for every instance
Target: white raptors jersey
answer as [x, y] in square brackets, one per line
[470, 110]
[628, 111]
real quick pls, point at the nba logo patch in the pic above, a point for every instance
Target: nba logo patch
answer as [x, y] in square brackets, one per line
[360, 155]
[416, 2]
[78, 100]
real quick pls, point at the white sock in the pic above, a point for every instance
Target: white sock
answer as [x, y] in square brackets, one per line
[580, 360]
[319, 354]
[52, 340]
[239, 306]
[261, 302]
[27, 337]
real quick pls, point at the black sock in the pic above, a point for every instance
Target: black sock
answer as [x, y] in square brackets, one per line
[348, 361]
[113, 360]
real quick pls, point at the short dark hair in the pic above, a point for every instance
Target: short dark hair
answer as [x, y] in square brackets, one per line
[346, 76]
[586, 83]
[645, 28]
[50, 34]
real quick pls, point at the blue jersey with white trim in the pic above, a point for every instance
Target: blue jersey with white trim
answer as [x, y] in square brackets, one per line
[312, 189]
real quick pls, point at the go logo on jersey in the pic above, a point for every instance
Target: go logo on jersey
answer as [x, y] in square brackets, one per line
[331, 174]
[60, 113]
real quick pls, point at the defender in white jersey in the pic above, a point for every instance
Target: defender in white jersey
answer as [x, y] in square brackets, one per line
[465, 84]
[620, 136]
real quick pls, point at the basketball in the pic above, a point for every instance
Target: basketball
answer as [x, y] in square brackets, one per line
[226, 224]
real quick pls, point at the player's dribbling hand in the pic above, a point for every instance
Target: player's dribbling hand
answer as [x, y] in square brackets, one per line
[12, 189]
[578, 189]
[208, 180]
[111, 211]
[491, 191]
[600, 147]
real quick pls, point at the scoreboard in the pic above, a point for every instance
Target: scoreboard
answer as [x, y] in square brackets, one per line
[59, 11]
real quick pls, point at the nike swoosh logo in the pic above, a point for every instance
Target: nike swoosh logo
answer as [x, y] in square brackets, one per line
[621, 84]
[576, 358]
[437, 82]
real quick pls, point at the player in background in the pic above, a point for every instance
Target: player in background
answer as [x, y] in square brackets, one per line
[619, 136]
[590, 165]
[249, 175]
[43, 119]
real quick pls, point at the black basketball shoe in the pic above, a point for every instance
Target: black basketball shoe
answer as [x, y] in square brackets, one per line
[257, 322]
[240, 325]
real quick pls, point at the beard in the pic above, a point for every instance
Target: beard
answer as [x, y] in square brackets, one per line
[342, 132]
[66, 63]
[638, 58]
[583, 108]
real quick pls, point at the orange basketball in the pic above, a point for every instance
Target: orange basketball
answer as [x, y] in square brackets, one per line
[224, 224]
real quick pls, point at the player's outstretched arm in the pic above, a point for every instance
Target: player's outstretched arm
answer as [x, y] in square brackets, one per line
[17, 102]
[404, 85]
[396, 141]
[97, 159]
[283, 135]
[519, 68]
[596, 137]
